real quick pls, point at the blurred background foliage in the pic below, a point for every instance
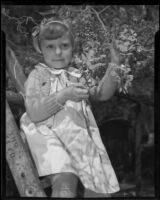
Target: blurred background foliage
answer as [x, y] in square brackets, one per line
[133, 28]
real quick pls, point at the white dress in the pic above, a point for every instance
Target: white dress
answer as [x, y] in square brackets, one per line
[70, 141]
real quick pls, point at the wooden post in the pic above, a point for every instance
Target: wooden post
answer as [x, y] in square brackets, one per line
[19, 161]
[15, 98]
[138, 151]
[15, 70]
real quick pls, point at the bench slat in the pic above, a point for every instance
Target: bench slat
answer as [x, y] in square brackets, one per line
[19, 161]
[14, 98]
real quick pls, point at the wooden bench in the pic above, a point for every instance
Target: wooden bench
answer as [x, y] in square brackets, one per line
[18, 154]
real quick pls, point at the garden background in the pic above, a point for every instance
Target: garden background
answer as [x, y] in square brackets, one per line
[126, 120]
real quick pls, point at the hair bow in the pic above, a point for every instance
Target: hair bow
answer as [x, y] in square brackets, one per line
[46, 21]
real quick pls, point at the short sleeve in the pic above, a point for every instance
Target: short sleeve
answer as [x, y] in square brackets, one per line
[38, 106]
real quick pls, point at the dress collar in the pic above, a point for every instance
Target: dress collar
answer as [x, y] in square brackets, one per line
[75, 72]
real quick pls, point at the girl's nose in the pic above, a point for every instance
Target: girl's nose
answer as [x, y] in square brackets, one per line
[58, 51]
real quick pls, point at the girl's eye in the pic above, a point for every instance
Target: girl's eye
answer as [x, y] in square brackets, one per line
[50, 47]
[65, 45]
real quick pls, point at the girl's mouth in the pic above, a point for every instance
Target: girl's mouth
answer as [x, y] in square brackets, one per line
[57, 60]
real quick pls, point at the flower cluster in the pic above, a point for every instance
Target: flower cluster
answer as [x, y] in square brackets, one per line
[121, 71]
[125, 79]
[127, 40]
[85, 71]
[88, 64]
[89, 61]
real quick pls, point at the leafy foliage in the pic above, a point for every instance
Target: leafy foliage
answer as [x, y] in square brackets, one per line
[131, 26]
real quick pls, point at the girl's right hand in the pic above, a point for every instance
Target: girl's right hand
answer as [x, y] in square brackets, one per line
[77, 92]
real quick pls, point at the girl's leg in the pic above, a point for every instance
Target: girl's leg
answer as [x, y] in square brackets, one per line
[91, 194]
[64, 185]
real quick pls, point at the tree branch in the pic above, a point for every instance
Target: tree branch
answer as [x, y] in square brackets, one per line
[99, 19]
[74, 10]
[20, 18]
[126, 54]
[103, 10]
[19, 21]
[10, 42]
[148, 50]
[136, 99]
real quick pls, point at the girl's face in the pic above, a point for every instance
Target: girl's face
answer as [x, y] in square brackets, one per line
[57, 53]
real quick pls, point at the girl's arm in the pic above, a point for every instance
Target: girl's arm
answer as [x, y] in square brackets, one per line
[39, 107]
[110, 82]
[106, 88]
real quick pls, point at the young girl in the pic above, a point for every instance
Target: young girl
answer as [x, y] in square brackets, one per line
[59, 125]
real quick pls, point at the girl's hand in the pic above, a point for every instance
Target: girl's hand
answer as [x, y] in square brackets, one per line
[77, 92]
